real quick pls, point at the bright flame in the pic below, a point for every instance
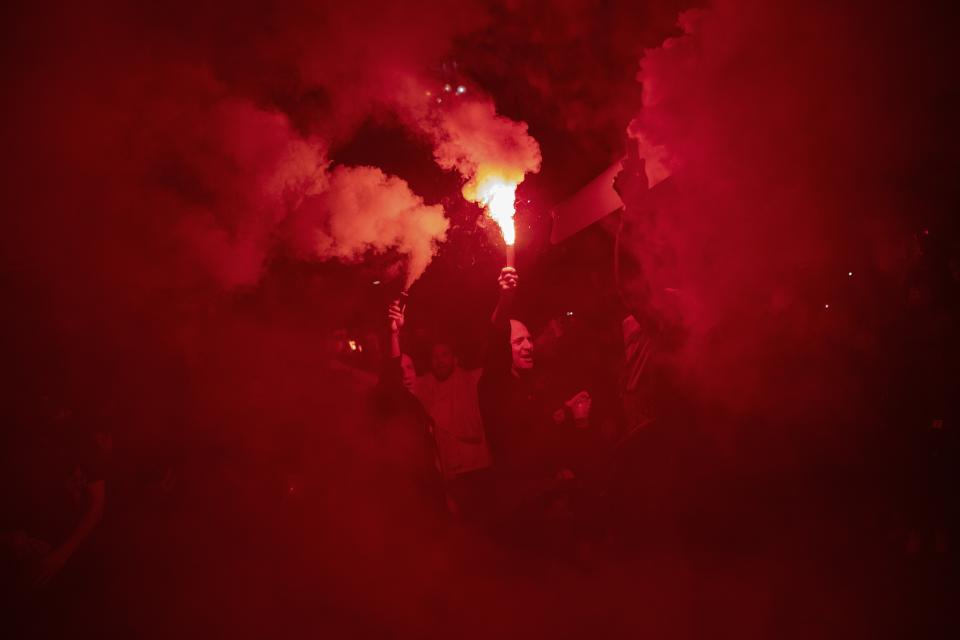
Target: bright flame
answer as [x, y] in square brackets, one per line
[499, 198]
[498, 195]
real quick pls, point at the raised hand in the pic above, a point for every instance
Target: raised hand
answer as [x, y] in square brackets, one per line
[508, 279]
[395, 316]
[579, 406]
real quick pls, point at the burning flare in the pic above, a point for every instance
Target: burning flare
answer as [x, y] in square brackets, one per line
[497, 194]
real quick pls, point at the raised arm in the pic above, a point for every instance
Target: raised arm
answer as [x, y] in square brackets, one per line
[395, 318]
[632, 187]
[396, 372]
[497, 347]
[54, 561]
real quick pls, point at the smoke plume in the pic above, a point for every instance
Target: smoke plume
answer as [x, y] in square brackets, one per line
[364, 209]
[785, 131]
[471, 138]
[237, 175]
[175, 179]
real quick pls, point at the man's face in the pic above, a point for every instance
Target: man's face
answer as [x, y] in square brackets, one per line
[521, 346]
[408, 373]
[442, 361]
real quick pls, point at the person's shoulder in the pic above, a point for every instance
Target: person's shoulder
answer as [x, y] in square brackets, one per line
[420, 383]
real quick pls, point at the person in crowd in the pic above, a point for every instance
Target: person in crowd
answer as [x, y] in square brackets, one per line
[406, 427]
[656, 413]
[58, 495]
[645, 325]
[51, 543]
[448, 395]
[543, 444]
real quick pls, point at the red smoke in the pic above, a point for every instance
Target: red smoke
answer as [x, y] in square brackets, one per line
[171, 182]
[251, 171]
[188, 122]
[471, 138]
[785, 129]
[363, 210]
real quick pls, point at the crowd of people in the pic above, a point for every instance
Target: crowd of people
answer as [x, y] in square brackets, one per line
[513, 449]
[519, 446]
[532, 448]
